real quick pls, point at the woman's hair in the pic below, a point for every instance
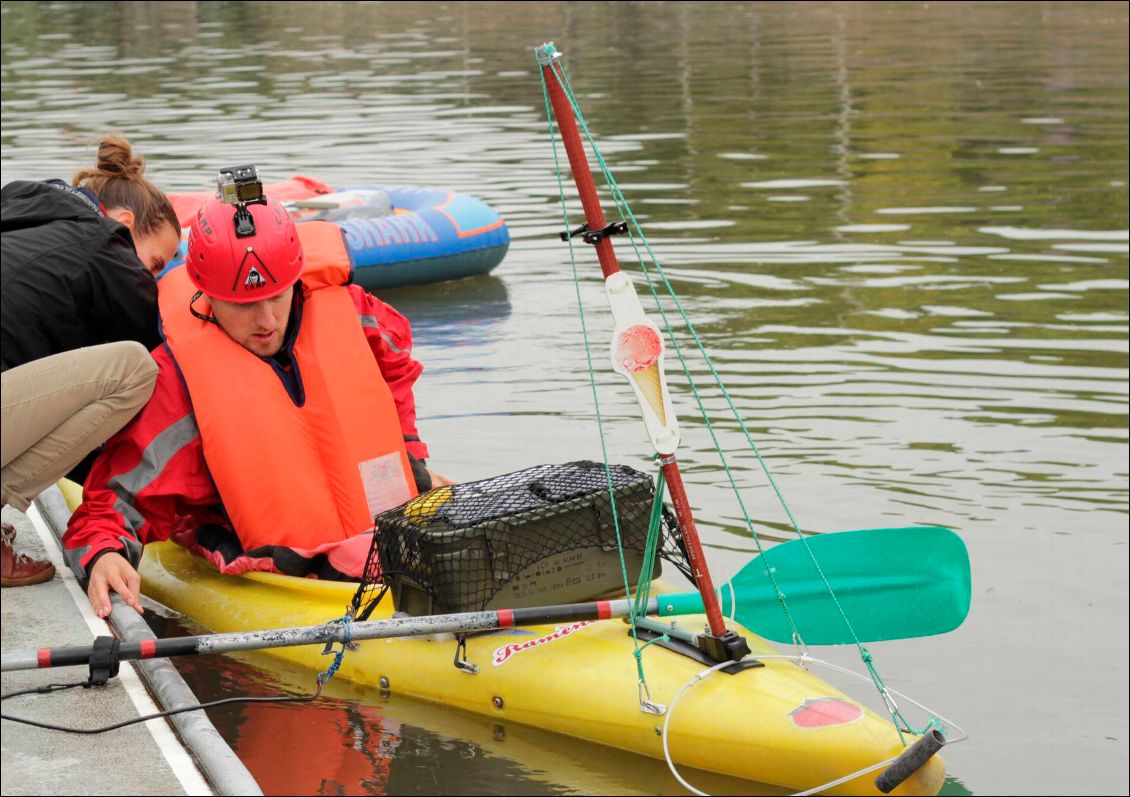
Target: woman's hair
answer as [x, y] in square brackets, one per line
[118, 182]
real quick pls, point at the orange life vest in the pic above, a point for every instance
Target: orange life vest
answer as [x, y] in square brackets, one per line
[287, 475]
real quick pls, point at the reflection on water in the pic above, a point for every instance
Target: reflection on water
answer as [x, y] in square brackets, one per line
[463, 313]
[900, 230]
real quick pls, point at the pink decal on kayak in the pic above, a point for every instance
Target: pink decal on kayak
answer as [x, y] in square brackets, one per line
[824, 712]
[504, 653]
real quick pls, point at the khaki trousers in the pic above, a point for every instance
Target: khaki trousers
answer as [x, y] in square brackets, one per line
[58, 409]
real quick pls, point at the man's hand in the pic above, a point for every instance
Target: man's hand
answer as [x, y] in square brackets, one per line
[440, 481]
[113, 571]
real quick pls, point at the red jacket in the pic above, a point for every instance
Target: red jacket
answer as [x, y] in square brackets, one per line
[151, 481]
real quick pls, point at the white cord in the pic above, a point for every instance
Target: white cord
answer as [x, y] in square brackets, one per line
[667, 721]
[801, 661]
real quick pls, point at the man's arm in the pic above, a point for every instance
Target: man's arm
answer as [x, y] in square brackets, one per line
[113, 573]
[390, 337]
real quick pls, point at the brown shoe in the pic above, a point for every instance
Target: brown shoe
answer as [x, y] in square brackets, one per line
[18, 570]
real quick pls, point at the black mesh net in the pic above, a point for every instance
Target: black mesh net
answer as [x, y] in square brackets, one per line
[541, 536]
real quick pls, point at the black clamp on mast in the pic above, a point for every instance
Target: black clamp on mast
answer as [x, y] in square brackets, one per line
[596, 236]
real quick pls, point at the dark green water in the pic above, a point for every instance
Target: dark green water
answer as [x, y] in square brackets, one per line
[900, 229]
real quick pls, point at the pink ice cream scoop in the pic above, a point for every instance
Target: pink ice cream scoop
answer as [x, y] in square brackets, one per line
[637, 347]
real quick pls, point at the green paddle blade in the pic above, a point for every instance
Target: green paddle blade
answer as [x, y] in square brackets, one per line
[891, 584]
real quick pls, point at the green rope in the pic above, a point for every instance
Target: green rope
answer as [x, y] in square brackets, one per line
[653, 640]
[651, 551]
[636, 232]
[901, 725]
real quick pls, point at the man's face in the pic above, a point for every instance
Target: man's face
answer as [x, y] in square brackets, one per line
[259, 327]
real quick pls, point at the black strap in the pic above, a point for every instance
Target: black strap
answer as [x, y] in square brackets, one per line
[104, 660]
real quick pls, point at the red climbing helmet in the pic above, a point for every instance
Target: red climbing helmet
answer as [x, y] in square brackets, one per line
[243, 267]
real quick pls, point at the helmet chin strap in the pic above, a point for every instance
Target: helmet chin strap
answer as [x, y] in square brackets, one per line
[197, 313]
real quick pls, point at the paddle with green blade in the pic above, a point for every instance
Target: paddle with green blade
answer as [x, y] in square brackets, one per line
[891, 583]
[851, 586]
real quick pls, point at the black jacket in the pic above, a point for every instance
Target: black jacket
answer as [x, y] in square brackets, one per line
[69, 276]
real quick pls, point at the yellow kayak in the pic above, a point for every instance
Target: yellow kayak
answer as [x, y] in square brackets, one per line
[775, 724]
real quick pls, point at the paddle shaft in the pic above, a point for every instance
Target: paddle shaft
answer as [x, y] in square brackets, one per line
[460, 623]
[594, 217]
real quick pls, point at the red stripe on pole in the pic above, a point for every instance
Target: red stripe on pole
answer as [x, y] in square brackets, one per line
[603, 610]
[43, 656]
[147, 648]
[505, 618]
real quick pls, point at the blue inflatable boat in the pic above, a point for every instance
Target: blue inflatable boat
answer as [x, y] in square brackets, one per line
[395, 235]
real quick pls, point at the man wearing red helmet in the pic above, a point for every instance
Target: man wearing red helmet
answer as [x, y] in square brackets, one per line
[282, 421]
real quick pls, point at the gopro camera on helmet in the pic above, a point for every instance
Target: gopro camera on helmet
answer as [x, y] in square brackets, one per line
[241, 186]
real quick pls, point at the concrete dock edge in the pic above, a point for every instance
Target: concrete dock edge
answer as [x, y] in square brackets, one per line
[218, 762]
